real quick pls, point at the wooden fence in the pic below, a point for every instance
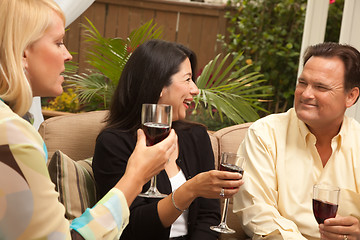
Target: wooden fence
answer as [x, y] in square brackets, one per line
[192, 24]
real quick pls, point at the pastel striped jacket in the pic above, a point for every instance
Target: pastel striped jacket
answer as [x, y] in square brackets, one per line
[29, 206]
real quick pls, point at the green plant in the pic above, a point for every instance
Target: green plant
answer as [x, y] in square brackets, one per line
[108, 56]
[232, 93]
[334, 21]
[268, 34]
[66, 102]
[212, 121]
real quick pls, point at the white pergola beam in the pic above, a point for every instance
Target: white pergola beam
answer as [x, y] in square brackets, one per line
[314, 26]
[350, 33]
[73, 9]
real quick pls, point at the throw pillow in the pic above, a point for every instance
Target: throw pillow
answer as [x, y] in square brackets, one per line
[74, 181]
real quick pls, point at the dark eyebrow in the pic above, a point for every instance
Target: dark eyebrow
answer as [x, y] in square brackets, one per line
[322, 85]
[188, 74]
[301, 79]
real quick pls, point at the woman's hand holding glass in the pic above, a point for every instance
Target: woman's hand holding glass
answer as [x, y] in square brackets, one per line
[147, 160]
[150, 160]
[230, 162]
[156, 120]
[208, 185]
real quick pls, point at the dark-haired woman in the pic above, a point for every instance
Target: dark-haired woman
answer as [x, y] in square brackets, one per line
[162, 72]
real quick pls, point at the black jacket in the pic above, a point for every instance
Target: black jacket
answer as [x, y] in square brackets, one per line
[112, 151]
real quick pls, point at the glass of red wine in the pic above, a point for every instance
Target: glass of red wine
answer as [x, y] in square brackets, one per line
[156, 122]
[231, 162]
[325, 201]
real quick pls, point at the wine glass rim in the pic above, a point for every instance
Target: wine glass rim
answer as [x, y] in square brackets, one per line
[158, 104]
[326, 187]
[231, 154]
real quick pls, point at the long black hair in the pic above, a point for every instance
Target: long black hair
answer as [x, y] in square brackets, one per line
[147, 72]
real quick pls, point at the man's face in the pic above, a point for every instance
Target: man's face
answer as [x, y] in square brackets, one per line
[320, 97]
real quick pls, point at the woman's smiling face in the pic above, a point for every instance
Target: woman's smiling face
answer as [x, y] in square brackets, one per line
[180, 92]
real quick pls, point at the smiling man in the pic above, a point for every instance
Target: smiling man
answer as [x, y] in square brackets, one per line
[312, 143]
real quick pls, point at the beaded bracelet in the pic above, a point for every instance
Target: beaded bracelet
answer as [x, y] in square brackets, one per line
[173, 202]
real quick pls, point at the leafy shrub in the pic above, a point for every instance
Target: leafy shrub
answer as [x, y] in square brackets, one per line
[269, 35]
[66, 102]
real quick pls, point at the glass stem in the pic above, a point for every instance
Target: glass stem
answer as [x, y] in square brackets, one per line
[225, 210]
[153, 183]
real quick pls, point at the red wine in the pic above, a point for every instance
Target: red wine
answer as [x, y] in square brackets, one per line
[155, 132]
[231, 168]
[324, 210]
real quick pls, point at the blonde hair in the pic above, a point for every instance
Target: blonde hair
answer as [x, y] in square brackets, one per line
[22, 22]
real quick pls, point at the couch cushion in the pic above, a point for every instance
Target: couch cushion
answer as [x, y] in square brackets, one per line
[74, 181]
[230, 138]
[215, 147]
[73, 134]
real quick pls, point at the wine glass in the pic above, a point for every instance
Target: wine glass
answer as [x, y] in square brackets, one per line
[231, 162]
[325, 201]
[156, 122]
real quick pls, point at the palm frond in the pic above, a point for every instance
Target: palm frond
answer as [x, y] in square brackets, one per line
[143, 33]
[108, 56]
[96, 85]
[232, 93]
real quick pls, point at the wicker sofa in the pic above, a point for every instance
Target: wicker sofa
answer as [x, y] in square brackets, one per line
[75, 134]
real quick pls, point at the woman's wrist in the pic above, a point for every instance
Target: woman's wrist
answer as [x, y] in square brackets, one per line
[184, 195]
[130, 186]
[173, 202]
[189, 188]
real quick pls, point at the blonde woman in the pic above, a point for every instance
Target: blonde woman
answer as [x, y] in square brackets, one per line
[32, 57]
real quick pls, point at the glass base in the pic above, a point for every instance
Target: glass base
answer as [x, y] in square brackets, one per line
[152, 193]
[222, 228]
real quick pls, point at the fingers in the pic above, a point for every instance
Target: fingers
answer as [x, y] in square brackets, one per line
[228, 192]
[331, 235]
[171, 141]
[341, 221]
[168, 145]
[171, 138]
[165, 147]
[337, 228]
[210, 184]
[228, 175]
[141, 138]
